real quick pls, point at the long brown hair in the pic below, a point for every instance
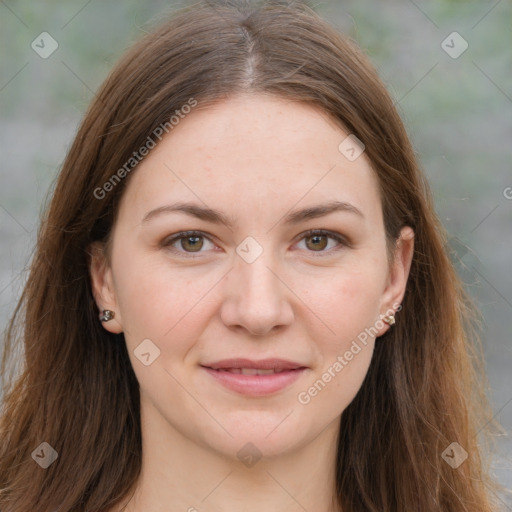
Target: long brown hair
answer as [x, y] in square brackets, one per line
[77, 390]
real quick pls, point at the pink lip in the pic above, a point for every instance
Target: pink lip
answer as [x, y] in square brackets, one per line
[255, 385]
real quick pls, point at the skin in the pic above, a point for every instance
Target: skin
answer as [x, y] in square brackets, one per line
[255, 158]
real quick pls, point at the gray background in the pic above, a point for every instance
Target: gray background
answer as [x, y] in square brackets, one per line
[457, 112]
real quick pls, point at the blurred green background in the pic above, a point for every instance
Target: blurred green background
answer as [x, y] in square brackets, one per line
[458, 112]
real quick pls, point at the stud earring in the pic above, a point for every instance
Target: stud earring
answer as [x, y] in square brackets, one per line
[107, 315]
[390, 319]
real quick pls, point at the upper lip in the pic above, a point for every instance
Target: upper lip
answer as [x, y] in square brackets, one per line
[263, 364]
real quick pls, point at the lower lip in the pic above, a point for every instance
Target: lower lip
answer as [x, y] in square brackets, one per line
[256, 385]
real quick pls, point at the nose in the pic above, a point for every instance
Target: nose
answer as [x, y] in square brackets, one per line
[257, 298]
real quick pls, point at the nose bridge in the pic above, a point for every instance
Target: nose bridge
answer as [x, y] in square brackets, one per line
[256, 296]
[257, 279]
[258, 285]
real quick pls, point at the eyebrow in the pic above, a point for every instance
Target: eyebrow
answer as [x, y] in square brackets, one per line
[217, 217]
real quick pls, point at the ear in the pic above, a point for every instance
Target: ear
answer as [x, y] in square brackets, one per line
[103, 286]
[398, 274]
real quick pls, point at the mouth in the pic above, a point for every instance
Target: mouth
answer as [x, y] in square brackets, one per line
[255, 378]
[251, 371]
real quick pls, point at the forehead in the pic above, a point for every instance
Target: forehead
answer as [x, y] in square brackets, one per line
[256, 154]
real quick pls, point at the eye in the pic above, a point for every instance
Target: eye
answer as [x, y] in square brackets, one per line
[317, 241]
[190, 243]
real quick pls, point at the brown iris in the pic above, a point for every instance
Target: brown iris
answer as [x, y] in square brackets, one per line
[318, 245]
[193, 246]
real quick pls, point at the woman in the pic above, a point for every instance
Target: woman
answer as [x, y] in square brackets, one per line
[241, 297]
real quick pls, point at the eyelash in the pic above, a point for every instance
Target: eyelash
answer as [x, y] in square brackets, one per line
[312, 232]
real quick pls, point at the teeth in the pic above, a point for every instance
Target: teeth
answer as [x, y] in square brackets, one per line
[266, 372]
[251, 371]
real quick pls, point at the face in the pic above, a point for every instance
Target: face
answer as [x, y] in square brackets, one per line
[252, 281]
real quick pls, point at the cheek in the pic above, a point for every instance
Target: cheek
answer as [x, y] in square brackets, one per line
[348, 300]
[350, 309]
[161, 303]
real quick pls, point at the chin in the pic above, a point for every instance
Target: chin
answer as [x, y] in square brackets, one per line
[255, 438]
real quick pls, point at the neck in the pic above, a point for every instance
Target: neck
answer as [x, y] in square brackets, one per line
[180, 473]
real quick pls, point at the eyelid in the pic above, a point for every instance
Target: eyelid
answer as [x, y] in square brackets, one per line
[342, 240]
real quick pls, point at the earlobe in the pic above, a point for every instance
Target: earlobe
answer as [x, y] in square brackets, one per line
[103, 289]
